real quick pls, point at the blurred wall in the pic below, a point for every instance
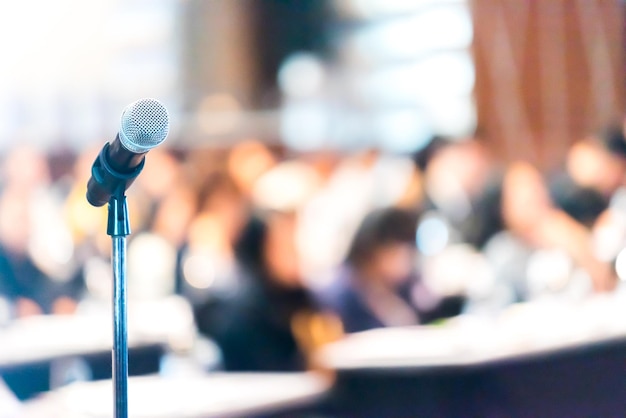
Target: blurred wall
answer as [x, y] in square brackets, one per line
[237, 46]
[547, 73]
[218, 51]
[69, 67]
[232, 50]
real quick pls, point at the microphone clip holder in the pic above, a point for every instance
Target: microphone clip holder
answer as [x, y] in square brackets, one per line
[118, 224]
[106, 181]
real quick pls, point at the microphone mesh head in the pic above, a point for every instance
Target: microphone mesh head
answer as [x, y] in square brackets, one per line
[145, 124]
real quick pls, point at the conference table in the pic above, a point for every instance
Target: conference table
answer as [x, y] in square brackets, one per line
[38, 353]
[212, 395]
[542, 359]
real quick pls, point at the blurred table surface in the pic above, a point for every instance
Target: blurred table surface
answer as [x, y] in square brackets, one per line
[541, 359]
[224, 395]
[166, 322]
[522, 331]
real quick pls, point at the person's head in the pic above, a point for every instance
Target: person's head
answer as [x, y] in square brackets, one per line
[583, 204]
[267, 247]
[424, 156]
[525, 198]
[161, 173]
[383, 247]
[613, 139]
[26, 168]
[15, 220]
[221, 197]
[455, 175]
[175, 213]
[247, 161]
[599, 162]
[487, 218]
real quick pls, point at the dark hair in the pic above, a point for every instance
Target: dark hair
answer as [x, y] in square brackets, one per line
[379, 228]
[486, 219]
[584, 204]
[424, 156]
[612, 138]
[215, 183]
[250, 244]
[249, 248]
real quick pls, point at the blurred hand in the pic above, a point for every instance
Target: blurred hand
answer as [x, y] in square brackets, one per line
[561, 231]
[313, 330]
[603, 277]
[64, 306]
[27, 307]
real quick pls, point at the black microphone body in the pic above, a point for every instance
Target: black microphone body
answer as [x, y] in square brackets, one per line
[121, 159]
[145, 124]
[114, 170]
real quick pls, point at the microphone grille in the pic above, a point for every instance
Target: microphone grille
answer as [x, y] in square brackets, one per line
[145, 124]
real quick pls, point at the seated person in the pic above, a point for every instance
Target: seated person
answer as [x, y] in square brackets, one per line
[378, 286]
[24, 282]
[272, 322]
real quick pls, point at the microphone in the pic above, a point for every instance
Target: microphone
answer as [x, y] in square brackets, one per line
[144, 125]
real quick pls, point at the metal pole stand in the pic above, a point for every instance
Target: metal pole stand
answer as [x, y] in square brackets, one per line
[118, 228]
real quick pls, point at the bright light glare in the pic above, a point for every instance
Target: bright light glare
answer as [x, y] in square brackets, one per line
[384, 8]
[432, 235]
[443, 75]
[436, 29]
[199, 271]
[620, 265]
[305, 126]
[301, 75]
[402, 130]
[454, 116]
[41, 44]
[151, 266]
[548, 270]
[66, 63]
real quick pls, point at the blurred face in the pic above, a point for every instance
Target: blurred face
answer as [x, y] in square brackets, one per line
[230, 208]
[464, 166]
[525, 199]
[14, 221]
[592, 166]
[160, 173]
[247, 162]
[26, 168]
[175, 213]
[280, 252]
[393, 263]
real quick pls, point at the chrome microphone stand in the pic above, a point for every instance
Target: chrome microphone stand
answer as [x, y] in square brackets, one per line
[144, 125]
[118, 228]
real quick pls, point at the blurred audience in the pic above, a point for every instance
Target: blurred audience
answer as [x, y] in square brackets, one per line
[455, 174]
[36, 250]
[599, 161]
[281, 253]
[534, 247]
[378, 285]
[273, 321]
